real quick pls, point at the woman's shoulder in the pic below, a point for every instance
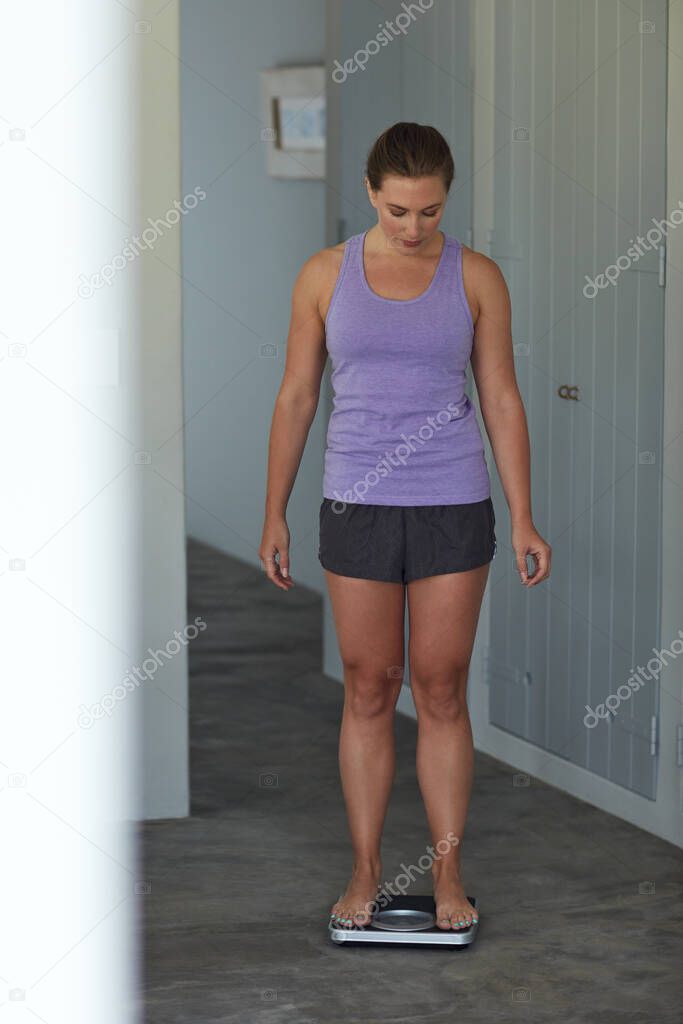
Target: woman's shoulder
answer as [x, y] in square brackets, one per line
[480, 270]
[482, 277]
[478, 262]
[318, 275]
[324, 261]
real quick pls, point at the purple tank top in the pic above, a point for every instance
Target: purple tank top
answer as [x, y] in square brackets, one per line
[402, 430]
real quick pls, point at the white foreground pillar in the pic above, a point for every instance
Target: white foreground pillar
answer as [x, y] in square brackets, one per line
[82, 544]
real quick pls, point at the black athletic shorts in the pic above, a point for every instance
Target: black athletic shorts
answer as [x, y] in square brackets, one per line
[400, 543]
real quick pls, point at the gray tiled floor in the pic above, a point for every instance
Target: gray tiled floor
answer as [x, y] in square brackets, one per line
[236, 920]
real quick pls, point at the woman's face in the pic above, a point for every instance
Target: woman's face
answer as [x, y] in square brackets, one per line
[409, 209]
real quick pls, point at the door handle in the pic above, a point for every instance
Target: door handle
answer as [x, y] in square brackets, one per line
[569, 391]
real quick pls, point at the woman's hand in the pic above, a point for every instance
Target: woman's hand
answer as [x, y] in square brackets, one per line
[527, 541]
[275, 541]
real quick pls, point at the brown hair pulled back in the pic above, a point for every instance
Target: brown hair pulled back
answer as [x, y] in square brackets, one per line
[412, 151]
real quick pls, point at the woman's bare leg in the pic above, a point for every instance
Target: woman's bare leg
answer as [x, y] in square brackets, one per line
[369, 619]
[444, 612]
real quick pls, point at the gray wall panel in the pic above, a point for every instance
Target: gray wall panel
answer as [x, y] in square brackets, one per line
[589, 84]
[243, 247]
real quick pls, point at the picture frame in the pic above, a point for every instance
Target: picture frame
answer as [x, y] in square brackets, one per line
[294, 113]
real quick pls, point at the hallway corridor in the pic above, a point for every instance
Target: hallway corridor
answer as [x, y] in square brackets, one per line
[580, 911]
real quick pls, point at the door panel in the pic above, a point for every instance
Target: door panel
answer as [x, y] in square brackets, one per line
[579, 174]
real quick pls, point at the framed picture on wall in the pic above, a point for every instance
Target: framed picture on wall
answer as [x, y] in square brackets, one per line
[294, 115]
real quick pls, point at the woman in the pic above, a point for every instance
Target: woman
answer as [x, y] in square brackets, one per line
[406, 512]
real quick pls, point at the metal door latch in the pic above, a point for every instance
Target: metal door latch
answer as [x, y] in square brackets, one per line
[570, 391]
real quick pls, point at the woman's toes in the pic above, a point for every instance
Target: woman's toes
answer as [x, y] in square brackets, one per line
[337, 915]
[464, 919]
[472, 916]
[458, 920]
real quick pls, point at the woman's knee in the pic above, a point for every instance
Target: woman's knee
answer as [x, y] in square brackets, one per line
[441, 694]
[371, 691]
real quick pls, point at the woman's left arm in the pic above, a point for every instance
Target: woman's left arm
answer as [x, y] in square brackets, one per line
[502, 410]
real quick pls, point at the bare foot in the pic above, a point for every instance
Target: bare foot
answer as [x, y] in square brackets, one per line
[453, 909]
[354, 908]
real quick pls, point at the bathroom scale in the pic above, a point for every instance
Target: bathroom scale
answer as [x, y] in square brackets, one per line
[406, 920]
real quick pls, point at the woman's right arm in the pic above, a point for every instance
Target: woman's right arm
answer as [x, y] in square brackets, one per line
[295, 408]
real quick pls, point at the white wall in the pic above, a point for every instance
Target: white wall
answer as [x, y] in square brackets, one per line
[242, 250]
